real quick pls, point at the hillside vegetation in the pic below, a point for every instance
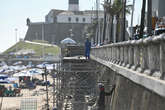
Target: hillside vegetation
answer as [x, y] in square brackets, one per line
[54, 50]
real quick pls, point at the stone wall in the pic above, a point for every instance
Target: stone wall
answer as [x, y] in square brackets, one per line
[55, 32]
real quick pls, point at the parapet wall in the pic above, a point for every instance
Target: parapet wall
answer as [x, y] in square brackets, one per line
[128, 95]
[139, 66]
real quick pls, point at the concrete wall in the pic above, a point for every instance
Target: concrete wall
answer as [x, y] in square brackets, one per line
[139, 68]
[128, 95]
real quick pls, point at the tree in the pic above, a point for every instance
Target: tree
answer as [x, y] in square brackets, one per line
[116, 9]
[112, 10]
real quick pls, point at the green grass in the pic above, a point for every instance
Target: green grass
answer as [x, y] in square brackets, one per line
[37, 48]
[40, 41]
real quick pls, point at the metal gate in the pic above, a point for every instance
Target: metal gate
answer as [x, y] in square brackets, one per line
[29, 104]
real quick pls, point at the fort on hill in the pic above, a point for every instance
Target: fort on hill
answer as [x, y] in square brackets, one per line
[60, 24]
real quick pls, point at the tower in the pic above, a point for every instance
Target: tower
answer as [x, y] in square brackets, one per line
[73, 5]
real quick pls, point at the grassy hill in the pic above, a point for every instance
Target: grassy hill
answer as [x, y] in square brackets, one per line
[54, 50]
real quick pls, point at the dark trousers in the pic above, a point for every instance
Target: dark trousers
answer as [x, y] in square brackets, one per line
[102, 107]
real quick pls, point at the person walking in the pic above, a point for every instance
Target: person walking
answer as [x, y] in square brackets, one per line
[101, 100]
[87, 48]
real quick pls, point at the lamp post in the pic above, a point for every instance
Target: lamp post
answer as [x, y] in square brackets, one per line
[16, 38]
[124, 18]
[43, 53]
[132, 19]
[47, 95]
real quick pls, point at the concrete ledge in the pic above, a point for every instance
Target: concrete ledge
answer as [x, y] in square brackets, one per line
[151, 83]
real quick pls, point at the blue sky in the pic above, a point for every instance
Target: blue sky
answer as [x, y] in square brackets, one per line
[13, 14]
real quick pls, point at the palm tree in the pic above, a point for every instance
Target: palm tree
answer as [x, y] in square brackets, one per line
[112, 10]
[116, 9]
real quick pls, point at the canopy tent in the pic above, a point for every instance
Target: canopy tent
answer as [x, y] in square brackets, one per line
[4, 81]
[30, 72]
[68, 41]
[34, 71]
[3, 76]
[8, 80]
[22, 73]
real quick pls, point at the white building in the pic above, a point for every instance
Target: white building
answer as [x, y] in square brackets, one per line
[72, 15]
[63, 16]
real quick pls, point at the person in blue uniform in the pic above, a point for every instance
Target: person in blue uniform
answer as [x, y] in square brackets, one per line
[87, 48]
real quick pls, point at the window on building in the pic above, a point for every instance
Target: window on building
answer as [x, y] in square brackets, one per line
[84, 19]
[77, 19]
[69, 19]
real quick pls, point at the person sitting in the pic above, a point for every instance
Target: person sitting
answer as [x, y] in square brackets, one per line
[15, 85]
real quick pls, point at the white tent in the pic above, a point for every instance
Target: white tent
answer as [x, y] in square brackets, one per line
[22, 73]
[68, 41]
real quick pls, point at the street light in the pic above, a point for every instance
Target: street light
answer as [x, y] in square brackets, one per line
[132, 19]
[43, 40]
[16, 37]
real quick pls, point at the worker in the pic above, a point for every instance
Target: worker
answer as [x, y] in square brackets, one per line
[101, 101]
[87, 48]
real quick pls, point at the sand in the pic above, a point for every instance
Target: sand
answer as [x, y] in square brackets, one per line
[39, 94]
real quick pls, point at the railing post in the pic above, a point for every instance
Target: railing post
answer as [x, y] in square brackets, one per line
[121, 54]
[130, 54]
[115, 54]
[162, 60]
[154, 58]
[136, 56]
[145, 58]
[112, 54]
[125, 54]
[109, 53]
[118, 54]
[140, 60]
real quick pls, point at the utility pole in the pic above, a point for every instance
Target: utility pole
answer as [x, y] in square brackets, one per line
[142, 19]
[124, 19]
[43, 53]
[132, 18]
[149, 18]
[97, 19]
[16, 40]
[53, 74]
[47, 95]
[104, 24]
[112, 26]
[1, 103]
[58, 91]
